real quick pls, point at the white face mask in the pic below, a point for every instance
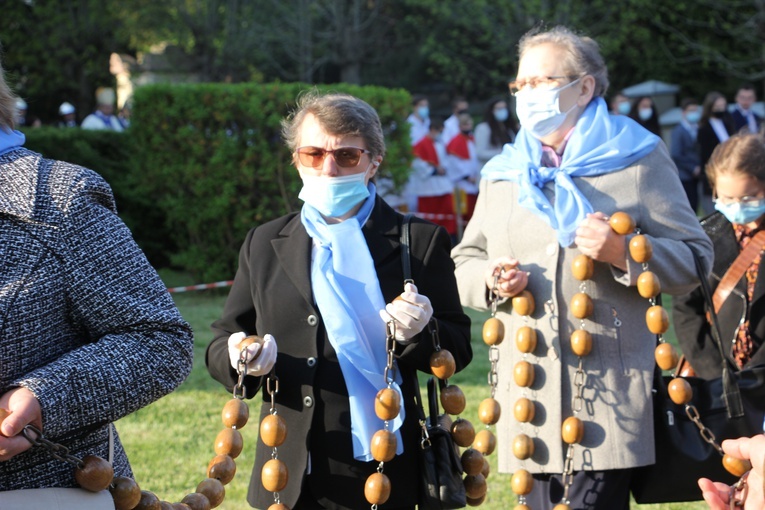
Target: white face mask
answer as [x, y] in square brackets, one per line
[538, 109]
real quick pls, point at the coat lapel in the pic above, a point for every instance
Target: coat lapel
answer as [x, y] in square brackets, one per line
[293, 248]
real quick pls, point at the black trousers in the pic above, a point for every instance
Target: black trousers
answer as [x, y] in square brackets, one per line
[591, 490]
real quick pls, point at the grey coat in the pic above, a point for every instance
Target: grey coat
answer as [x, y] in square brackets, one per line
[617, 411]
[85, 322]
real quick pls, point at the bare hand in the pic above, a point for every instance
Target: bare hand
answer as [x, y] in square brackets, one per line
[596, 239]
[717, 494]
[511, 279]
[25, 409]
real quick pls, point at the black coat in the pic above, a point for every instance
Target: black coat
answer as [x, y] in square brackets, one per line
[691, 326]
[272, 294]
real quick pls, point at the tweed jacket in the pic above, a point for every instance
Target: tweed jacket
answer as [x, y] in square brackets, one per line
[85, 322]
[272, 294]
[619, 371]
[689, 312]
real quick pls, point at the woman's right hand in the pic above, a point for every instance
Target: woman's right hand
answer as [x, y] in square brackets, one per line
[25, 409]
[259, 359]
[717, 494]
[511, 279]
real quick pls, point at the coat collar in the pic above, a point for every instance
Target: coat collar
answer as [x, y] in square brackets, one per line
[19, 182]
[293, 246]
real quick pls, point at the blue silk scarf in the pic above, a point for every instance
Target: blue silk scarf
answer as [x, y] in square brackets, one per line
[10, 140]
[349, 298]
[600, 144]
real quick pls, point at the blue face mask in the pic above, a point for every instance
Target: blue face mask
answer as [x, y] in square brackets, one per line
[624, 107]
[741, 213]
[539, 109]
[501, 114]
[645, 113]
[423, 112]
[334, 196]
[693, 117]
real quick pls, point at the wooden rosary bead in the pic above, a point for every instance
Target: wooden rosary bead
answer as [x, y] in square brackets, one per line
[666, 356]
[4, 413]
[475, 486]
[522, 482]
[384, 445]
[648, 285]
[641, 249]
[229, 442]
[523, 374]
[387, 404]
[522, 507]
[526, 339]
[442, 364]
[196, 501]
[166, 505]
[622, 223]
[452, 399]
[581, 342]
[524, 410]
[581, 305]
[523, 447]
[476, 501]
[273, 430]
[148, 501]
[489, 411]
[377, 489]
[561, 506]
[274, 475]
[657, 320]
[523, 303]
[95, 475]
[572, 430]
[125, 492]
[249, 340]
[472, 461]
[463, 432]
[181, 506]
[222, 467]
[235, 413]
[278, 506]
[582, 267]
[213, 490]
[493, 331]
[486, 468]
[680, 391]
[485, 442]
[735, 466]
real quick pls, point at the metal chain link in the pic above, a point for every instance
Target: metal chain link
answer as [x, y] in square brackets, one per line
[738, 492]
[568, 473]
[56, 450]
[493, 377]
[706, 434]
[580, 378]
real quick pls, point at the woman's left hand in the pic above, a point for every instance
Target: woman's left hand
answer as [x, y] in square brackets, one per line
[410, 311]
[717, 494]
[596, 239]
[25, 410]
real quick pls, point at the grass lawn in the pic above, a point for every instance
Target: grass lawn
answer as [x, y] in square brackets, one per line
[171, 441]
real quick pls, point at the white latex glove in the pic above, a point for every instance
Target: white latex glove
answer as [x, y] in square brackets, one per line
[264, 362]
[411, 313]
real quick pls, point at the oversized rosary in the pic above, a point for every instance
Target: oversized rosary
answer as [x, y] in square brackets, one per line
[581, 307]
[95, 474]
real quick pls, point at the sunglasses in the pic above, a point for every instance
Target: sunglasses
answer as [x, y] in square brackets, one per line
[345, 157]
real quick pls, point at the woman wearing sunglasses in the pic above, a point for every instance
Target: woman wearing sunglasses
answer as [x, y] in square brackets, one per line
[543, 201]
[320, 286]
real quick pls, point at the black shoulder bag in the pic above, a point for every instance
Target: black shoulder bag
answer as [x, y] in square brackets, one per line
[441, 486]
[687, 442]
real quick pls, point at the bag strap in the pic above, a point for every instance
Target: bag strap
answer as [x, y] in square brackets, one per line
[731, 392]
[737, 269]
[406, 261]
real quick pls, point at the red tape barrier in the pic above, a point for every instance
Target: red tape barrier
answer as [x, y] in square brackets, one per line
[202, 286]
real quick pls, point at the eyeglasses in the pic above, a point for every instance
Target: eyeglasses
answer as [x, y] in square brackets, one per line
[544, 82]
[345, 157]
[745, 200]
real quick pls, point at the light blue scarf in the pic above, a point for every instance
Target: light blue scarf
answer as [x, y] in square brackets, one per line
[349, 298]
[600, 144]
[10, 140]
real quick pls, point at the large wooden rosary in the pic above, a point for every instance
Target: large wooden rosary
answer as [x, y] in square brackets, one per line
[96, 474]
[581, 307]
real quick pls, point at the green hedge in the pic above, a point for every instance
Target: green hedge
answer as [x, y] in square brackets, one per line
[202, 164]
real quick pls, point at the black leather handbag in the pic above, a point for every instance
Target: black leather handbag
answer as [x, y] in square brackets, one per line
[729, 406]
